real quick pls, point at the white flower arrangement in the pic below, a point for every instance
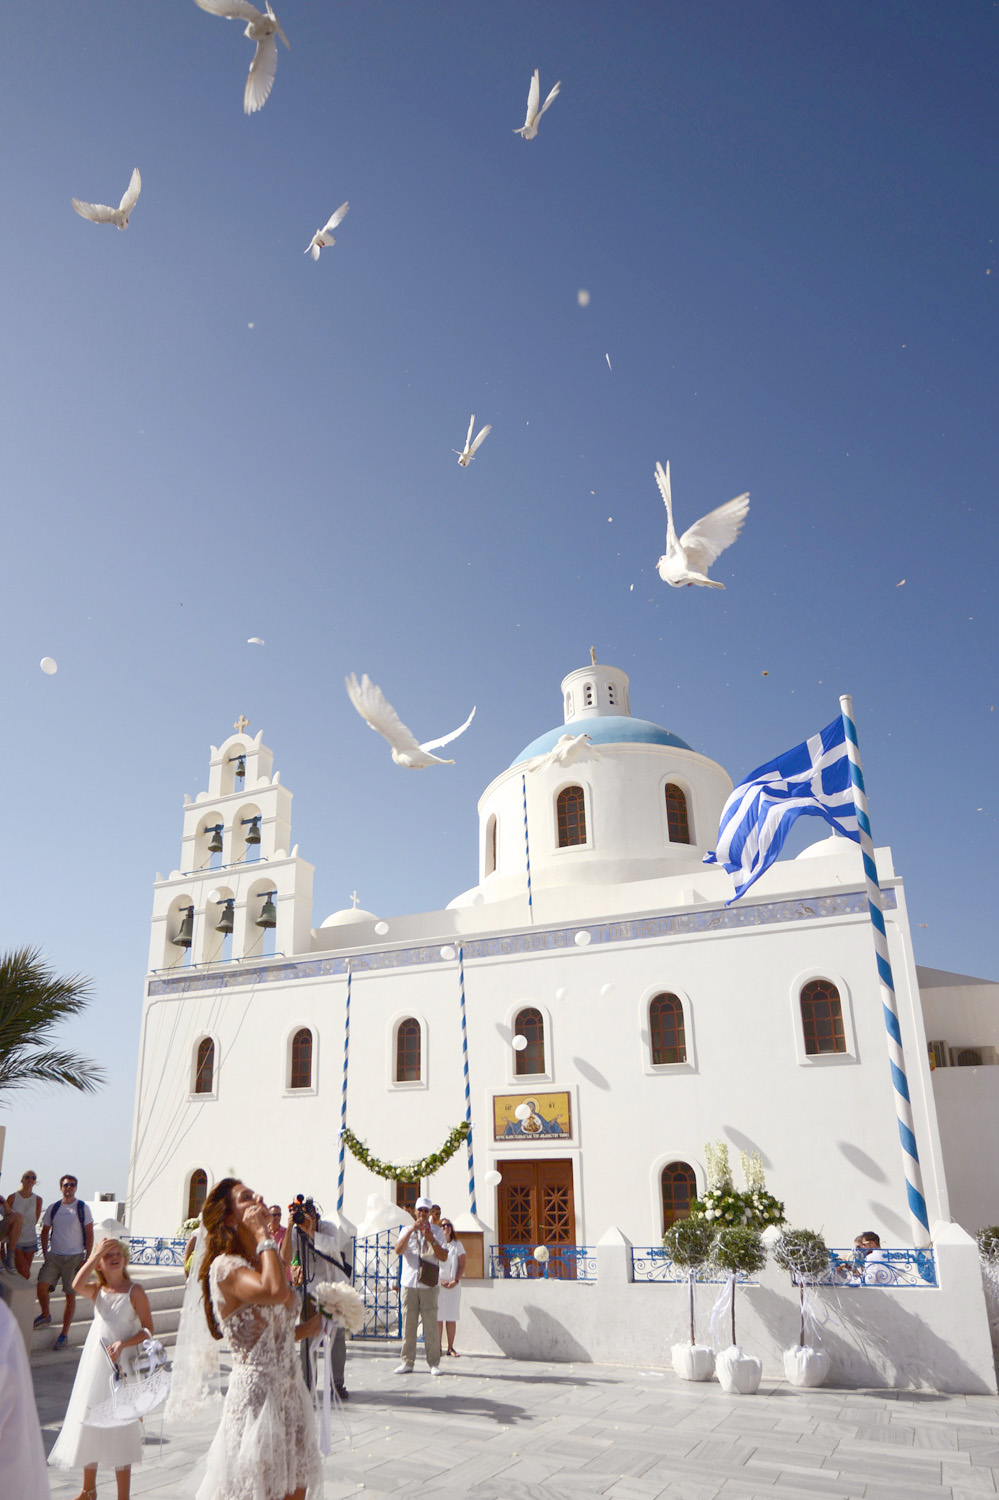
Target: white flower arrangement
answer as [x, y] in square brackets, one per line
[541, 1254]
[340, 1304]
[719, 1173]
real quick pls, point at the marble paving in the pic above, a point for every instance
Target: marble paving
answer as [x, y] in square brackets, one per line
[499, 1429]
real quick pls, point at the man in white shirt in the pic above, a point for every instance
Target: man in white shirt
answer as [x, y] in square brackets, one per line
[421, 1247]
[326, 1261]
[67, 1240]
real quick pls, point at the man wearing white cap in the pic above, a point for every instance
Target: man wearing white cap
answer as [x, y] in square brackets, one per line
[421, 1247]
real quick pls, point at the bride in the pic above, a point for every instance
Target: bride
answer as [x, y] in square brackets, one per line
[265, 1448]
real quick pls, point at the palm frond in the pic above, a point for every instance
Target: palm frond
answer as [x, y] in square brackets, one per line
[33, 1002]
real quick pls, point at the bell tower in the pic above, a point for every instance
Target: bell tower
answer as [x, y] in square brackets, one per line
[238, 894]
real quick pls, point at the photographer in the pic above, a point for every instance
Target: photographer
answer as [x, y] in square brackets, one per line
[421, 1247]
[319, 1246]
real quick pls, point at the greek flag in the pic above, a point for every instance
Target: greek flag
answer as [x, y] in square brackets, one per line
[812, 780]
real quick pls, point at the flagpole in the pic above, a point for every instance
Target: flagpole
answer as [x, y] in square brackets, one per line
[464, 1070]
[527, 851]
[903, 1105]
[343, 1096]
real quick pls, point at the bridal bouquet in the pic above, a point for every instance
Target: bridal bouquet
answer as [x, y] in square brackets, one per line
[340, 1304]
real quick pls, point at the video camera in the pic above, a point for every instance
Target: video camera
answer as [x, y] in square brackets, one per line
[303, 1206]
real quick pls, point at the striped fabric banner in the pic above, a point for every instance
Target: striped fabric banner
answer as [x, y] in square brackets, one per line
[343, 1094]
[464, 1071]
[527, 850]
[903, 1105]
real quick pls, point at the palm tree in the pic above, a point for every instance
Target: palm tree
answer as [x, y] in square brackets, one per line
[33, 1001]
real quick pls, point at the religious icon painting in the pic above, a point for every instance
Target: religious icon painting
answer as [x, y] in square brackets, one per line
[531, 1117]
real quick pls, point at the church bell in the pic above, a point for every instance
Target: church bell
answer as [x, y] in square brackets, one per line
[185, 936]
[253, 832]
[268, 913]
[225, 921]
[215, 842]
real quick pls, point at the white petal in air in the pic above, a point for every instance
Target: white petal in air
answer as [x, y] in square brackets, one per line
[254, 640]
[49, 665]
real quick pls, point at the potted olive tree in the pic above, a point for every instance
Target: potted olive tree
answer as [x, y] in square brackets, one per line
[805, 1255]
[739, 1250]
[689, 1242]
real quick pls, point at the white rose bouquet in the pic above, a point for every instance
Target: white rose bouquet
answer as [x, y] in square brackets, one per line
[340, 1305]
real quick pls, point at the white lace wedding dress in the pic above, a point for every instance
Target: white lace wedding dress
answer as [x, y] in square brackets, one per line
[77, 1444]
[266, 1445]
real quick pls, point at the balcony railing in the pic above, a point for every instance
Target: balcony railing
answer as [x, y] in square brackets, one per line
[900, 1268]
[653, 1263]
[150, 1251]
[564, 1263]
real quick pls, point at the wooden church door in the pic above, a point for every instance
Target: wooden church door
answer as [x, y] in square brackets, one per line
[535, 1202]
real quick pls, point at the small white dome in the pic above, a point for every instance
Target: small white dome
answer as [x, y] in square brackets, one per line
[348, 915]
[822, 847]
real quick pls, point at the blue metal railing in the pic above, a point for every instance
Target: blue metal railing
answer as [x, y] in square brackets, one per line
[653, 1263]
[901, 1268]
[564, 1263]
[148, 1250]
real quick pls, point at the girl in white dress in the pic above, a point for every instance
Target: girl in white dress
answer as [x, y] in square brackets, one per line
[266, 1446]
[122, 1321]
[449, 1295]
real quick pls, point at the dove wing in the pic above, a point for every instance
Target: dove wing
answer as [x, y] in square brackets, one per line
[132, 192]
[551, 96]
[98, 213]
[533, 95]
[436, 744]
[714, 532]
[335, 219]
[662, 480]
[232, 10]
[481, 437]
[471, 424]
[373, 706]
[261, 76]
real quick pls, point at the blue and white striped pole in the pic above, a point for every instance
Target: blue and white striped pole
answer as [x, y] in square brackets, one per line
[464, 1070]
[343, 1094]
[896, 1057]
[527, 849]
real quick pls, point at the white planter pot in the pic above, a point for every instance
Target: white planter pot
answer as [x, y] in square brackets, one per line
[693, 1361]
[737, 1372]
[805, 1366]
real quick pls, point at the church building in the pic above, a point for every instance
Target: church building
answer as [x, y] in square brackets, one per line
[590, 1003]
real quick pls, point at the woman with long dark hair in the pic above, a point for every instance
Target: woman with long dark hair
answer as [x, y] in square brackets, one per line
[266, 1447]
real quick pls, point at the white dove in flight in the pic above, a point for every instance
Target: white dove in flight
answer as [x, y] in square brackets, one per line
[261, 29]
[567, 749]
[468, 452]
[688, 558]
[529, 129]
[324, 237]
[373, 706]
[100, 213]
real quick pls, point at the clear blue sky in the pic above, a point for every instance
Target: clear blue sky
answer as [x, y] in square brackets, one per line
[784, 216]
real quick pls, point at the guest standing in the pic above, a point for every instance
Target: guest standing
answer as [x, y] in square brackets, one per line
[421, 1248]
[28, 1204]
[67, 1240]
[449, 1300]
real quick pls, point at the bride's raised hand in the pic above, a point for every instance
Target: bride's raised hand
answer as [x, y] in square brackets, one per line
[258, 1222]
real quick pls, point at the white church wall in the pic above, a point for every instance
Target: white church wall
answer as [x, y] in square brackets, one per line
[901, 1338]
[967, 1103]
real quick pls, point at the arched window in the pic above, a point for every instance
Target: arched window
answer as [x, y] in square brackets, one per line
[491, 841]
[197, 1193]
[679, 1189]
[204, 1069]
[406, 1194]
[669, 1045]
[408, 1052]
[530, 1024]
[676, 815]
[822, 1018]
[301, 1059]
[571, 811]
[568, 707]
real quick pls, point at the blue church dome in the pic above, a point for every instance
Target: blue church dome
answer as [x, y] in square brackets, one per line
[605, 729]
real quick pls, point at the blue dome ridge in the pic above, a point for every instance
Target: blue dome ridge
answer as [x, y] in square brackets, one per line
[604, 729]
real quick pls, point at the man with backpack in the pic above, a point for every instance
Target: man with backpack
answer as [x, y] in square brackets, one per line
[67, 1240]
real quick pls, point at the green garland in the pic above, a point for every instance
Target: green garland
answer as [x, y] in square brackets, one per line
[414, 1170]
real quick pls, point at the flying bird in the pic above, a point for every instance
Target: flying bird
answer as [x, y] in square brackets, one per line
[261, 29]
[529, 129]
[373, 706]
[324, 237]
[567, 750]
[688, 558]
[468, 452]
[100, 213]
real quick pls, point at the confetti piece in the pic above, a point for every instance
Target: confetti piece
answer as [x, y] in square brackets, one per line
[765, 674]
[583, 297]
[48, 665]
[254, 640]
[900, 583]
[610, 518]
[609, 365]
[249, 325]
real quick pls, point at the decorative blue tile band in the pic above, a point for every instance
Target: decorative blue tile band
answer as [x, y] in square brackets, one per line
[534, 940]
